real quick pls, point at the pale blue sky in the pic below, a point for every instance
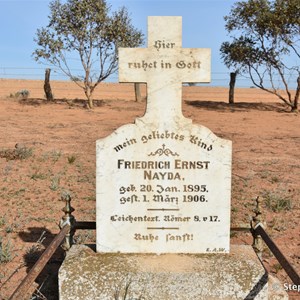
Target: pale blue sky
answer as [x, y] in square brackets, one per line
[203, 27]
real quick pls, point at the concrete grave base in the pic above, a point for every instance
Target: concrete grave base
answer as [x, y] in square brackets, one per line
[104, 276]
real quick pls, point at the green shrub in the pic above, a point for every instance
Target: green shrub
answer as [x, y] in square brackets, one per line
[23, 94]
[20, 152]
[55, 181]
[71, 159]
[5, 252]
[276, 201]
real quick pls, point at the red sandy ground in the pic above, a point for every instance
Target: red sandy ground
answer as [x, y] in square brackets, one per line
[57, 142]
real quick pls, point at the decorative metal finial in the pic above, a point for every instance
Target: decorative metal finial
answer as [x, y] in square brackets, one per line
[257, 220]
[258, 212]
[67, 219]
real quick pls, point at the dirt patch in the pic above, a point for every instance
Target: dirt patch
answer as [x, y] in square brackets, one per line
[48, 148]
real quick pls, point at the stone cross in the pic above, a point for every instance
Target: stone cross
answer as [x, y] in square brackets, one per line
[164, 66]
[163, 183]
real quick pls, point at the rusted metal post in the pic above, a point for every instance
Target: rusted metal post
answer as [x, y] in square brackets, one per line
[23, 289]
[68, 219]
[279, 255]
[256, 221]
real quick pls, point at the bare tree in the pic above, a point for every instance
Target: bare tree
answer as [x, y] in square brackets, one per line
[268, 36]
[87, 29]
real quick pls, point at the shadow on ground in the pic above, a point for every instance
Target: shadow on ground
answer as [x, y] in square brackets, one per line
[237, 107]
[82, 103]
[203, 104]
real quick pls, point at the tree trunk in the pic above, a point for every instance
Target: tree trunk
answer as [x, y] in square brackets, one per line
[47, 86]
[231, 87]
[297, 95]
[88, 93]
[137, 90]
[90, 102]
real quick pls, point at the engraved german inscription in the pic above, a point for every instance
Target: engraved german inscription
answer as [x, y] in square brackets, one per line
[163, 45]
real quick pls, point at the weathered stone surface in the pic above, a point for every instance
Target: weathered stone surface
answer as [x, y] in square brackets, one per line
[106, 276]
[164, 65]
[163, 184]
[178, 202]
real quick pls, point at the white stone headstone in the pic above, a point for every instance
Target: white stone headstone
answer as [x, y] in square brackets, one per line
[163, 184]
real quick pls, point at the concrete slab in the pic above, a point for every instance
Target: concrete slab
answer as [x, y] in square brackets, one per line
[102, 276]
